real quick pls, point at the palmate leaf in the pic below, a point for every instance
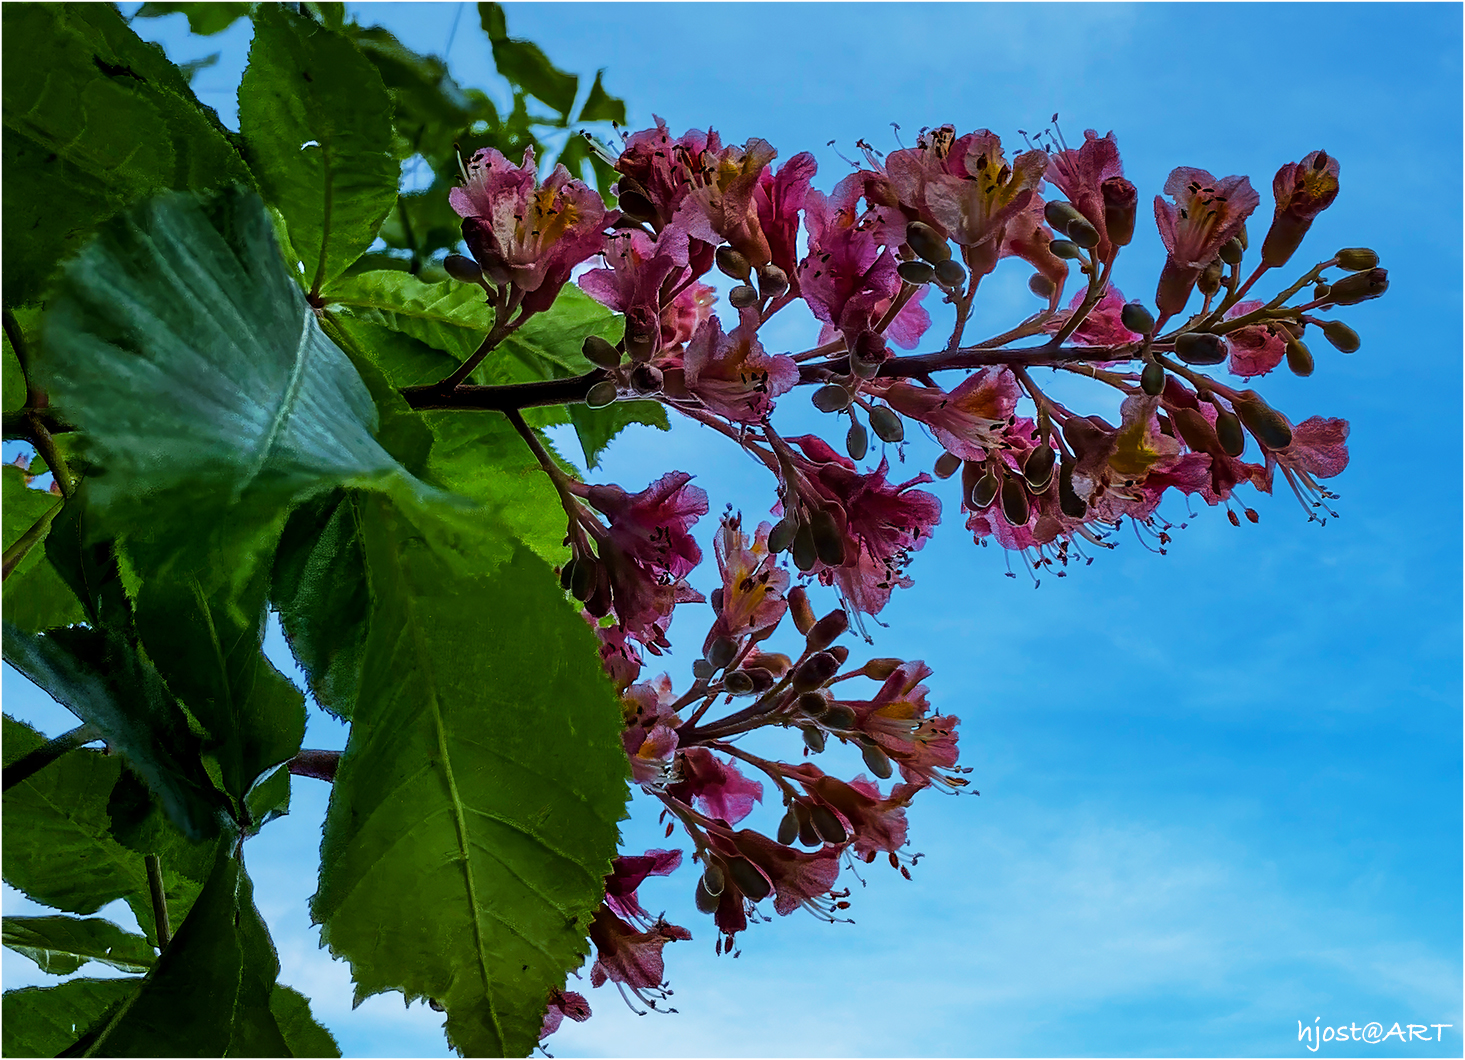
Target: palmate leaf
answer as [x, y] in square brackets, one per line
[59, 849]
[95, 119]
[45, 1020]
[473, 816]
[450, 317]
[62, 944]
[317, 124]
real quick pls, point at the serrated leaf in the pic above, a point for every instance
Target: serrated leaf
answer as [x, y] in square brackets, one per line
[95, 119]
[301, 1032]
[449, 316]
[317, 122]
[474, 813]
[45, 1020]
[62, 944]
[209, 993]
[203, 19]
[101, 679]
[524, 64]
[13, 387]
[596, 428]
[21, 509]
[181, 348]
[58, 849]
[600, 105]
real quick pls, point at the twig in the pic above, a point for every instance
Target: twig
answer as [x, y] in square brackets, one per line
[160, 900]
[41, 757]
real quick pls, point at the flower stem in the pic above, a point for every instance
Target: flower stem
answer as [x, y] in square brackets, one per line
[28, 540]
[160, 899]
[32, 763]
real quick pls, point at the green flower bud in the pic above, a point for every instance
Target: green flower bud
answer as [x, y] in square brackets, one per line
[986, 490]
[806, 553]
[1083, 233]
[1299, 357]
[1264, 422]
[634, 201]
[1200, 347]
[828, 539]
[705, 900]
[886, 424]
[1038, 468]
[721, 652]
[946, 465]
[1195, 429]
[857, 441]
[1229, 433]
[1069, 502]
[808, 834]
[839, 717]
[1060, 214]
[1209, 281]
[732, 263]
[1232, 251]
[798, 607]
[1341, 336]
[831, 398]
[742, 296]
[1152, 379]
[1321, 291]
[1015, 507]
[1359, 287]
[601, 394]
[567, 574]
[1137, 318]
[1357, 259]
[702, 669]
[582, 579]
[782, 535]
[813, 738]
[922, 238]
[737, 683]
[814, 672]
[1041, 286]
[950, 273]
[788, 828]
[600, 353]
[772, 281]
[1065, 248]
[877, 761]
[646, 379]
[827, 824]
[827, 630]
[916, 272]
[748, 879]
[462, 269]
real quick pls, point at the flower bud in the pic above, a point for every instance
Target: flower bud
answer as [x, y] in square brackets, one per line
[737, 683]
[720, 652]
[828, 538]
[1152, 379]
[1121, 202]
[1359, 287]
[1015, 507]
[831, 398]
[814, 671]
[827, 630]
[1232, 251]
[971, 474]
[788, 828]
[762, 679]
[702, 669]
[1354, 259]
[1209, 281]
[839, 717]
[1083, 233]
[808, 835]
[743, 296]
[985, 491]
[922, 238]
[705, 900]
[775, 662]
[601, 394]
[1229, 433]
[1065, 248]
[1041, 286]
[798, 607]
[646, 379]
[1060, 214]
[805, 551]
[633, 200]
[1299, 357]
[732, 263]
[582, 578]
[1195, 429]
[916, 272]
[1137, 318]
[946, 465]
[827, 824]
[813, 738]
[462, 269]
[567, 574]
[1341, 336]
[877, 761]
[949, 273]
[857, 441]
[600, 353]
[886, 424]
[782, 534]
[1321, 291]
[1069, 502]
[880, 669]
[748, 879]
[1264, 422]
[772, 281]
[814, 704]
[1200, 347]
[1038, 468]
[840, 653]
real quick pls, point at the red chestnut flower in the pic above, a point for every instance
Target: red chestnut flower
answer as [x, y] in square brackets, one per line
[563, 1003]
[1090, 177]
[1302, 191]
[1206, 213]
[732, 375]
[654, 526]
[1254, 350]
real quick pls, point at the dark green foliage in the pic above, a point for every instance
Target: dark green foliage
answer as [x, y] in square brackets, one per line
[62, 944]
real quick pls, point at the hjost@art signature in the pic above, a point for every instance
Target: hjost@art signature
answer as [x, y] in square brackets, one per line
[1373, 1032]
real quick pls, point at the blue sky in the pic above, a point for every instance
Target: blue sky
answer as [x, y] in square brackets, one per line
[1221, 788]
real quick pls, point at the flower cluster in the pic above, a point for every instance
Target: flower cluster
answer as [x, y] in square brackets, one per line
[1039, 477]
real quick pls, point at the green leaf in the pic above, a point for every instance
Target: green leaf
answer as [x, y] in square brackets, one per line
[451, 317]
[596, 427]
[474, 814]
[193, 66]
[317, 122]
[95, 119]
[209, 993]
[58, 849]
[196, 369]
[13, 386]
[525, 65]
[601, 105]
[45, 1021]
[203, 19]
[268, 799]
[32, 591]
[301, 1032]
[62, 944]
[431, 109]
[319, 587]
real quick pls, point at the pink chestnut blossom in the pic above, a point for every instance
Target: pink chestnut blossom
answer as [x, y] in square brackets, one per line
[1102, 326]
[778, 198]
[1206, 213]
[719, 207]
[654, 526]
[974, 204]
[563, 1003]
[732, 375]
[1254, 350]
[753, 585]
[968, 421]
[924, 748]
[650, 735]
[1089, 176]
[628, 872]
[632, 958]
[714, 787]
[1302, 191]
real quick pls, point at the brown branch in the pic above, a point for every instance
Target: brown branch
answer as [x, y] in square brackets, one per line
[318, 764]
